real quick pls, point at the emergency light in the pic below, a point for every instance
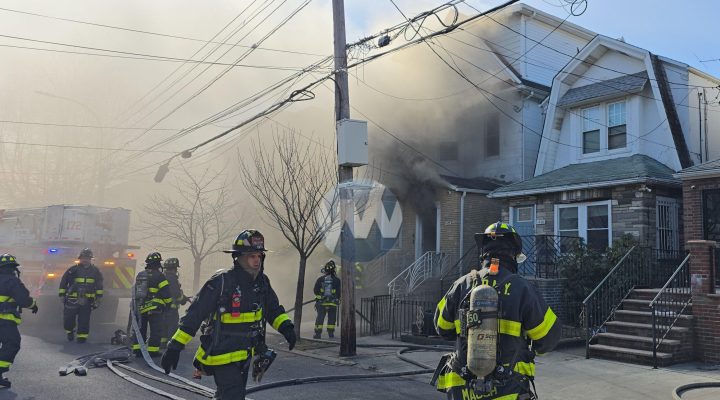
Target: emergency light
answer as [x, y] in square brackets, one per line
[52, 250]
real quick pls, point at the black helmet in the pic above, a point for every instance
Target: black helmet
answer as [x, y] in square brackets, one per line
[172, 263]
[247, 241]
[153, 258]
[8, 260]
[329, 267]
[499, 236]
[86, 253]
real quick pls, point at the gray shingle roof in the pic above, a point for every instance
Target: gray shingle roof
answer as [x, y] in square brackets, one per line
[615, 87]
[478, 183]
[706, 168]
[636, 168]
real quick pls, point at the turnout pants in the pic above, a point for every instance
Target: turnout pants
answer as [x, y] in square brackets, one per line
[514, 389]
[157, 329]
[82, 315]
[331, 312]
[171, 317]
[231, 380]
[9, 344]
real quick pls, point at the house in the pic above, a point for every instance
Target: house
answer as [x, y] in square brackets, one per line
[620, 122]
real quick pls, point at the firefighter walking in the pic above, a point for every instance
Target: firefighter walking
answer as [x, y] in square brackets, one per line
[171, 314]
[327, 298]
[152, 297]
[237, 303]
[499, 322]
[13, 296]
[81, 290]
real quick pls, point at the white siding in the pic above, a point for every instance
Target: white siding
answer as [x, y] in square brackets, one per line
[542, 63]
[712, 115]
[611, 65]
[533, 121]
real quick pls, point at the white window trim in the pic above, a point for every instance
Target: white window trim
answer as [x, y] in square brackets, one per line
[512, 214]
[582, 218]
[578, 130]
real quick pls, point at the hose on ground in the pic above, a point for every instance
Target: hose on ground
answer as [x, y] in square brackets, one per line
[678, 392]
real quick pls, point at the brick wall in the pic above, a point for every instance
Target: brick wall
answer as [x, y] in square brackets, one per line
[705, 303]
[552, 291]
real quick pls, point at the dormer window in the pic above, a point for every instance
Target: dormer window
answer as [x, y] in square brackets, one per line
[604, 128]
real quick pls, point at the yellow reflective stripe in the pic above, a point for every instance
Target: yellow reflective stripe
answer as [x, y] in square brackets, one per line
[163, 284]
[154, 349]
[331, 326]
[34, 303]
[85, 280]
[442, 322]
[83, 335]
[99, 291]
[227, 318]
[451, 379]
[136, 347]
[509, 327]
[513, 396]
[279, 320]
[457, 326]
[221, 359]
[318, 297]
[6, 299]
[541, 330]
[10, 317]
[329, 304]
[153, 290]
[167, 300]
[5, 364]
[61, 291]
[525, 368]
[182, 337]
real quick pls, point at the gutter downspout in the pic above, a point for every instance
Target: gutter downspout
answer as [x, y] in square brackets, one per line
[462, 228]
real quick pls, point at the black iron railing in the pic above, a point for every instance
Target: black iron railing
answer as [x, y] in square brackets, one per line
[543, 252]
[640, 267]
[377, 314]
[669, 304]
[717, 267]
[412, 315]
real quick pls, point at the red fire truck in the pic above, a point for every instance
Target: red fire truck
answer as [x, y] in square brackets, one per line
[48, 240]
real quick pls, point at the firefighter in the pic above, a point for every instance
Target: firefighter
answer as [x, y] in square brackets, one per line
[13, 296]
[81, 290]
[236, 303]
[171, 315]
[525, 325]
[327, 298]
[152, 298]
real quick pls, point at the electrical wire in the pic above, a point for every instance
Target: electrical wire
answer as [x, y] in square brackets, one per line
[54, 124]
[81, 147]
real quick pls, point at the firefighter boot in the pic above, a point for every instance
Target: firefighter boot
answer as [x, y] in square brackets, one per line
[4, 382]
[70, 336]
[81, 340]
[317, 335]
[331, 334]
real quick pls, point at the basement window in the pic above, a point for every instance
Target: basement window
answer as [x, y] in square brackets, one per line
[590, 221]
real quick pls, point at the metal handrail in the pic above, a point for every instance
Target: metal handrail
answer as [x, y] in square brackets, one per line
[417, 272]
[668, 327]
[612, 271]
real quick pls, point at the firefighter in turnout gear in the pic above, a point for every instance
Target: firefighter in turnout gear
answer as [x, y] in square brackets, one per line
[13, 296]
[233, 307]
[521, 323]
[81, 290]
[152, 297]
[327, 298]
[171, 315]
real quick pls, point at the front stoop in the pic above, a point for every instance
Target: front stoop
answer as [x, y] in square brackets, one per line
[628, 336]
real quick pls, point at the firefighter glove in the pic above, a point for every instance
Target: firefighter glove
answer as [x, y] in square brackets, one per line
[34, 309]
[170, 359]
[288, 331]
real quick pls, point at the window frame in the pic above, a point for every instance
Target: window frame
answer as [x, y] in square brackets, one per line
[603, 127]
[582, 227]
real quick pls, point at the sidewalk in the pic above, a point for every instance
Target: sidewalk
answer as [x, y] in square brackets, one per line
[563, 374]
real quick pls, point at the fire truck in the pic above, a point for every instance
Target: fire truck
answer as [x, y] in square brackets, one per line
[48, 240]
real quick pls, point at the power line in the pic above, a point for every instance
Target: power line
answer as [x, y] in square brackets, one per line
[78, 147]
[54, 124]
[154, 33]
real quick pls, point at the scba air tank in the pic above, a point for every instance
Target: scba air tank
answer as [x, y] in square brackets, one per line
[482, 329]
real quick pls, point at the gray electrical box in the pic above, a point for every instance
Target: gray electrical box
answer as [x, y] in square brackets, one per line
[352, 138]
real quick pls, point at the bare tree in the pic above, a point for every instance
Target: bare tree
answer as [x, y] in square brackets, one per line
[295, 185]
[195, 217]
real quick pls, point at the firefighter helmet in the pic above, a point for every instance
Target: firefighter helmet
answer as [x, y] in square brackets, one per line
[248, 240]
[499, 235]
[171, 263]
[8, 260]
[153, 258]
[86, 253]
[329, 267]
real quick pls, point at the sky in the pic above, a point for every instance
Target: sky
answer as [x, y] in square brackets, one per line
[52, 102]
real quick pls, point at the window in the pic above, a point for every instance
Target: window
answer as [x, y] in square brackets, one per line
[524, 214]
[590, 221]
[591, 130]
[492, 136]
[667, 226]
[617, 129]
[604, 127]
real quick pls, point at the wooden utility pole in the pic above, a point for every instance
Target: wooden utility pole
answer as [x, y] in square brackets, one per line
[345, 175]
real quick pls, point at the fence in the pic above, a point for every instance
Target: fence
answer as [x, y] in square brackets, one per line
[669, 304]
[410, 315]
[543, 252]
[376, 311]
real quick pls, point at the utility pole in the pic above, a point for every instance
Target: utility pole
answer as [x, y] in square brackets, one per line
[345, 175]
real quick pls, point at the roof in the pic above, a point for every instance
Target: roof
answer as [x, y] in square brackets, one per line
[706, 169]
[634, 169]
[478, 184]
[615, 87]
